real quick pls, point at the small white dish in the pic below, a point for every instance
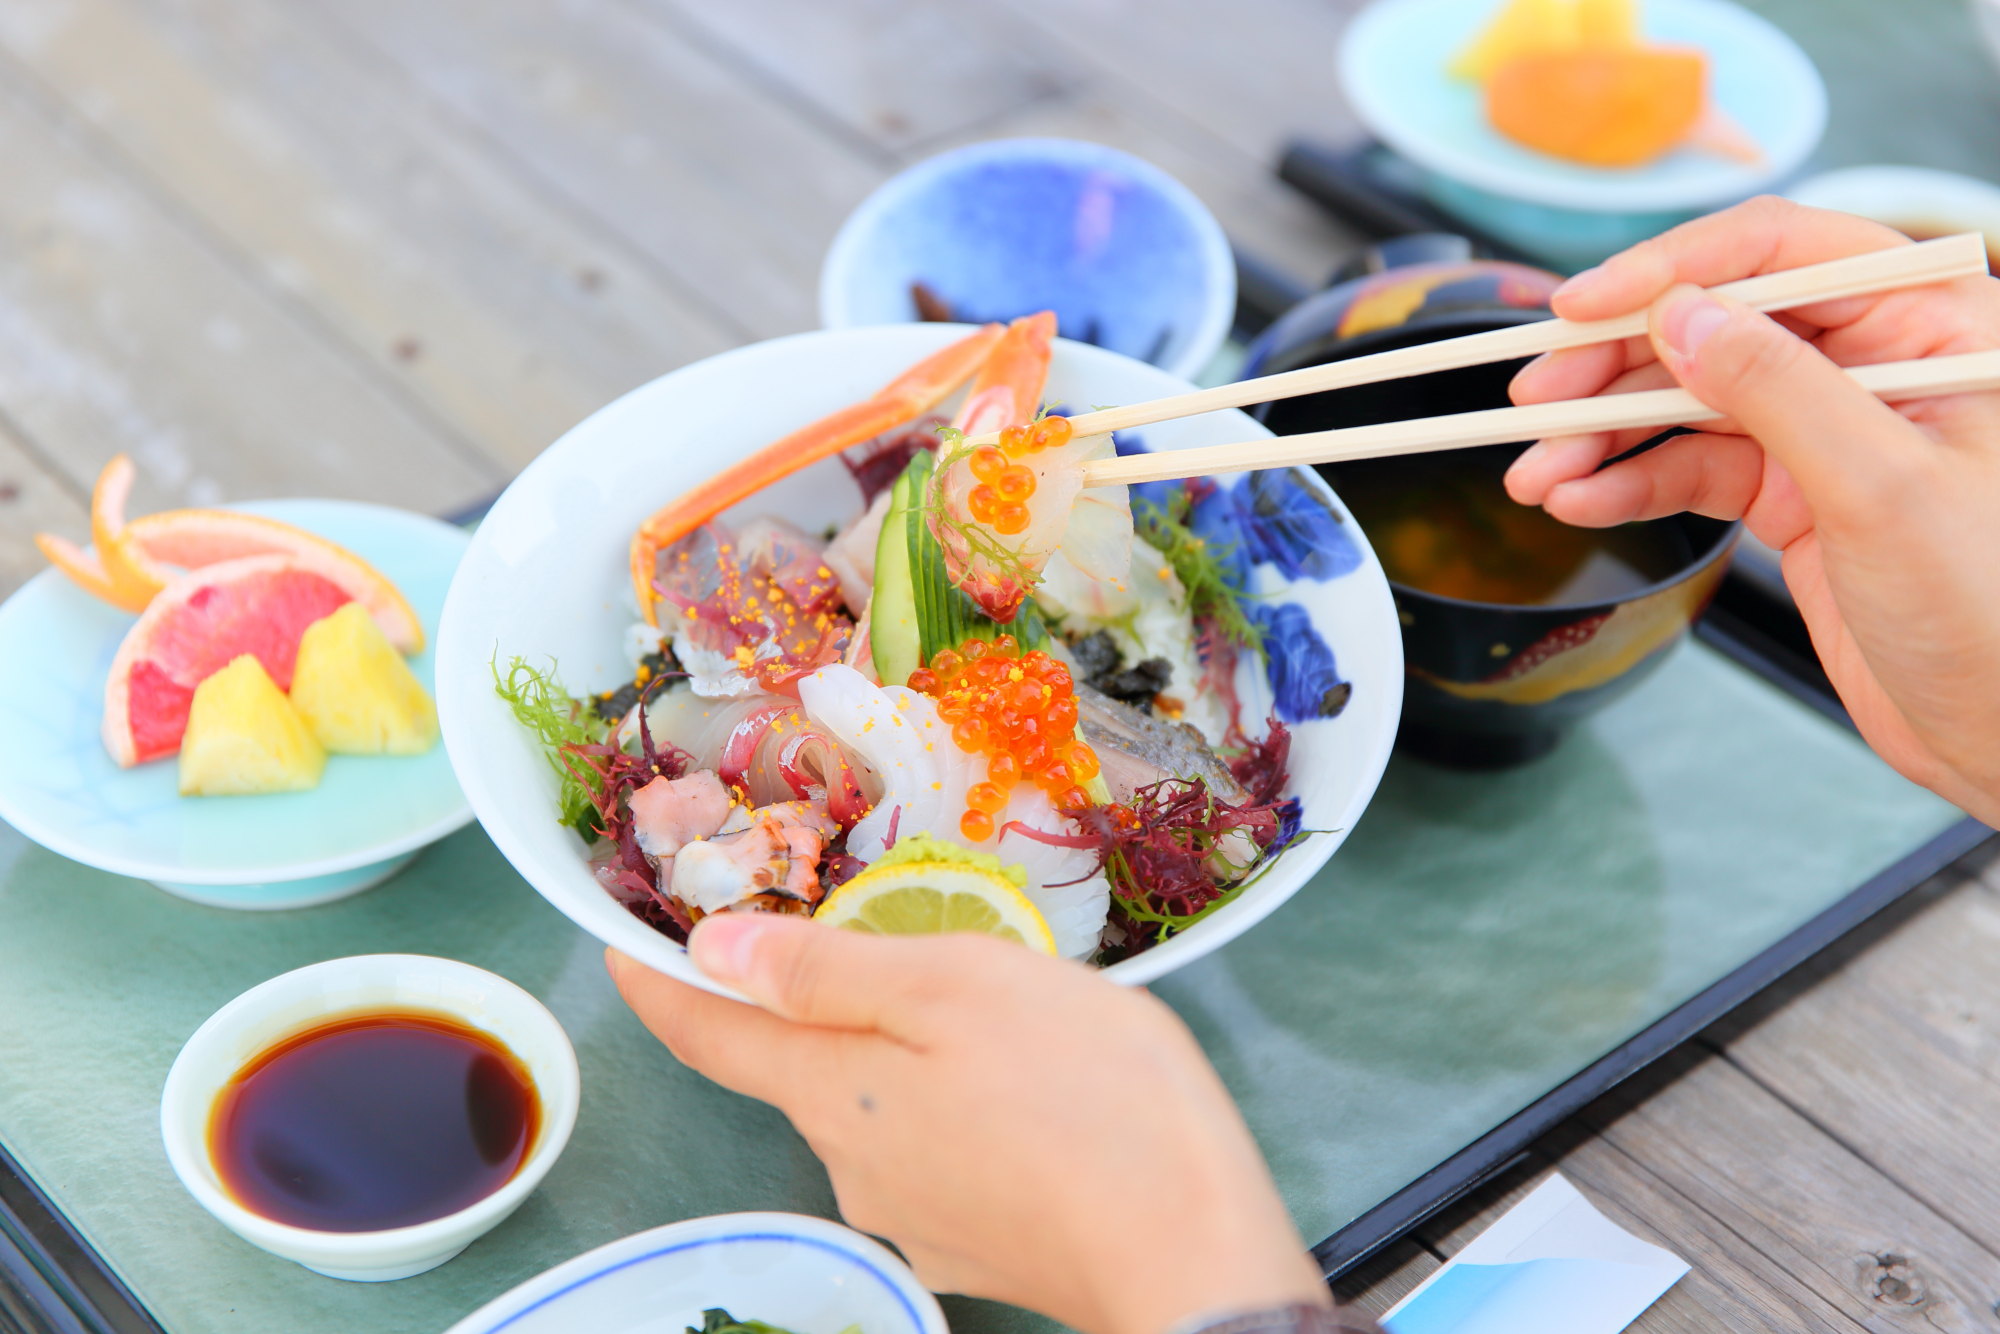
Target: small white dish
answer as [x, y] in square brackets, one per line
[1920, 200]
[273, 1010]
[545, 579]
[1986, 13]
[802, 1274]
[367, 818]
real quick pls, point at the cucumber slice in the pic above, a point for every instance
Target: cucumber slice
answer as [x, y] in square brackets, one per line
[893, 637]
[941, 615]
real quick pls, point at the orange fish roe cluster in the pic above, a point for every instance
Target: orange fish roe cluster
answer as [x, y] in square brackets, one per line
[1019, 711]
[1000, 497]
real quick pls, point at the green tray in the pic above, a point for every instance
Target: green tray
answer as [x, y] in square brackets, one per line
[1480, 942]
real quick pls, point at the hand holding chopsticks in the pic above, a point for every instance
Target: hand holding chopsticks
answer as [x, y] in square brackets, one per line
[1873, 272]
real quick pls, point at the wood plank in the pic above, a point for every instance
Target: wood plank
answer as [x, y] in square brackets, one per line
[1891, 1056]
[1251, 72]
[679, 156]
[122, 330]
[895, 73]
[1731, 1287]
[505, 316]
[33, 499]
[1796, 1197]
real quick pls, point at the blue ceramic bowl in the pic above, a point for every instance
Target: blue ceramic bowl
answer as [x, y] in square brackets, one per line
[366, 819]
[1124, 254]
[1392, 67]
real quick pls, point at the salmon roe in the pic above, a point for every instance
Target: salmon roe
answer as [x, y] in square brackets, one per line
[1019, 711]
[1048, 433]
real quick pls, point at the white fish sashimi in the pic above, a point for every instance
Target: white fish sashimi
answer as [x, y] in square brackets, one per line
[924, 775]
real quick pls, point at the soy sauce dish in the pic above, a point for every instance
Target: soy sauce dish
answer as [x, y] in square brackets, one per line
[370, 1117]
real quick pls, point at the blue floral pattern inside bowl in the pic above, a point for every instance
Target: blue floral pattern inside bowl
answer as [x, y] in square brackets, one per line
[1124, 254]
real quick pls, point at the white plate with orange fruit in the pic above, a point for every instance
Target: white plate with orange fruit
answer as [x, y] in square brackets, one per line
[1574, 127]
[236, 704]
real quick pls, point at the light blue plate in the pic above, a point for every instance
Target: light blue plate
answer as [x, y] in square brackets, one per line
[368, 816]
[1123, 253]
[1392, 66]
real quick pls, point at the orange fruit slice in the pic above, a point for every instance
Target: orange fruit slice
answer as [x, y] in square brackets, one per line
[1602, 108]
[197, 625]
[132, 562]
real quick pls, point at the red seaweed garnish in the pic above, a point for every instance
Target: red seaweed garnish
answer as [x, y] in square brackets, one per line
[1176, 852]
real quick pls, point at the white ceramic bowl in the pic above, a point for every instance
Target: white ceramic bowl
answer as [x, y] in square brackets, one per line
[1000, 228]
[545, 579]
[1986, 13]
[273, 1010]
[802, 1274]
[1913, 199]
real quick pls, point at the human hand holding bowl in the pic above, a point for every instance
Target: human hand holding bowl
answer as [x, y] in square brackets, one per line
[1883, 513]
[1020, 1127]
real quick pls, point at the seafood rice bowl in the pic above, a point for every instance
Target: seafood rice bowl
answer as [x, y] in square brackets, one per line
[832, 625]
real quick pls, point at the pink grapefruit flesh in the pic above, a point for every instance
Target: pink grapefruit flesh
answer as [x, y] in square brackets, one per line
[196, 538]
[194, 627]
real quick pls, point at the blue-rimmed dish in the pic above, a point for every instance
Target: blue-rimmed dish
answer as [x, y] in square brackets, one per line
[802, 1274]
[1124, 254]
[366, 819]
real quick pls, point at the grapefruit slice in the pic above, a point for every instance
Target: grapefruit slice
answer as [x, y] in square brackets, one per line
[132, 575]
[132, 562]
[195, 539]
[85, 570]
[198, 624]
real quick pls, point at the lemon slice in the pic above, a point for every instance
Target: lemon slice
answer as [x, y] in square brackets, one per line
[917, 898]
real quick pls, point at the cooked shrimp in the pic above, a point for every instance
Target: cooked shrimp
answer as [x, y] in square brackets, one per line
[777, 854]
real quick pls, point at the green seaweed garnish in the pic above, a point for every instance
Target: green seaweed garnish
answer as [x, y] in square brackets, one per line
[540, 704]
[1197, 563]
[715, 1320]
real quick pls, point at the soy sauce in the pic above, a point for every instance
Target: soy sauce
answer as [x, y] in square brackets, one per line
[374, 1120]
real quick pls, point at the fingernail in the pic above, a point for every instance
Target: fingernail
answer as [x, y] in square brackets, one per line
[1576, 282]
[1690, 319]
[723, 945]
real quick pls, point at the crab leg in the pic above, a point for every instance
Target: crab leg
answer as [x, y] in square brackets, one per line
[902, 400]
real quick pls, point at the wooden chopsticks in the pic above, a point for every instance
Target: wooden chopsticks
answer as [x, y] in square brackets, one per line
[1892, 381]
[1878, 271]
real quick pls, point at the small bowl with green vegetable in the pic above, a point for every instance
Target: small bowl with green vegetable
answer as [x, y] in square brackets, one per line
[752, 1273]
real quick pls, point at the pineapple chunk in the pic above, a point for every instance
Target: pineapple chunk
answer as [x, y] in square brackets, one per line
[356, 692]
[1520, 28]
[244, 737]
[1608, 23]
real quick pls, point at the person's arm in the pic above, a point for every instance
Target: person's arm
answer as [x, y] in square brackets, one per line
[1888, 517]
[1021, 1128]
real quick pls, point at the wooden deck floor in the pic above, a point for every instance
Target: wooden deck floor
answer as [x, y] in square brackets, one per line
[389, 250]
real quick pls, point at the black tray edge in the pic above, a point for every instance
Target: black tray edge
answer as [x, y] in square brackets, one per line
[52, 1281]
